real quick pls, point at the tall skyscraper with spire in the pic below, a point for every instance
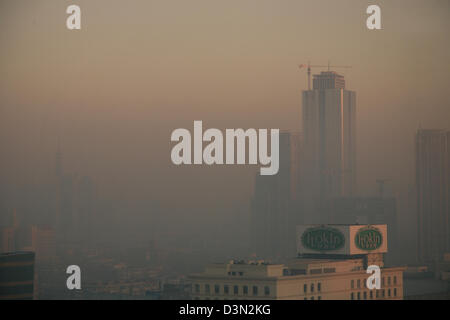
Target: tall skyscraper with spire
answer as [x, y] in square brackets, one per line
[329, 129]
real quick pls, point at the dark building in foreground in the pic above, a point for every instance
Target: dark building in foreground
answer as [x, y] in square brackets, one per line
[16, 276]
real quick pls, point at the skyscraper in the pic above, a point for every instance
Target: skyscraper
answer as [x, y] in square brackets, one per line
[432, 185]
[329, 129]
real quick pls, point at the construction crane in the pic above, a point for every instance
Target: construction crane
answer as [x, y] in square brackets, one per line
[309, 66]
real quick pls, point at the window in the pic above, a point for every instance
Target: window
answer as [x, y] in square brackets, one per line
[365, 295]
[358, 283]
[353, 284]
[235, 289]
[255, 290]
[383, 293]
[359, 295]
[233, 273]
[312, 298]
[395, 280]
[389, 281]
[389, 292]
[241, 273]
[197, 288]
[319, 298]
[226, 289]
[245, 289]
[312, 287]
[207, 289]
[319, 287]
[266, 290]
[395, 292]
[382, 281]
[371, 294]
[217, 289]
[376, 293]
[305, 288]
[352, 296]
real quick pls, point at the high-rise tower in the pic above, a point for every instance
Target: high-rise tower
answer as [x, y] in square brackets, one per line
[433, 193]
[329, 128]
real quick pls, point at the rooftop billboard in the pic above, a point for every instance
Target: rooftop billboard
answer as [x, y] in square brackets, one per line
[341, 239]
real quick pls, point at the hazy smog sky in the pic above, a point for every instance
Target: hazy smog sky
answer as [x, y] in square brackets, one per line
[114, 91]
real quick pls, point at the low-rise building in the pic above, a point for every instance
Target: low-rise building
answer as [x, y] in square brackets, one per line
[329, 267]
[301, 279]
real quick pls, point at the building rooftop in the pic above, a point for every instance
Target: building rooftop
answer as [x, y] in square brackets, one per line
[328, 80]
[295, 267]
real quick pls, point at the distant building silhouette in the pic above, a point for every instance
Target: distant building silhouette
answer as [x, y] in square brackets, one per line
[433, 194]
[275, 204]
[73, 204]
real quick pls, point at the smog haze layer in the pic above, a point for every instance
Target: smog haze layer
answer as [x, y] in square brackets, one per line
[113, 92]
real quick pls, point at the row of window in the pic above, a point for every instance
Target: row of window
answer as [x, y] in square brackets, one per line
[254, 289]
[378, 294]
[312, 287]
[312, 298]
[236, 290]
[358, 282]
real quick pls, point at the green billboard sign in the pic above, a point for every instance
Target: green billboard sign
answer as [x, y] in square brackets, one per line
[323, 239]
[368, 238]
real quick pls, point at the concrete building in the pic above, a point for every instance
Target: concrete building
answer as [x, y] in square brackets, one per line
[433, 194]
[329, 129]
[302, 279]
[40, 240]
[17, 276]
[331, 265]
